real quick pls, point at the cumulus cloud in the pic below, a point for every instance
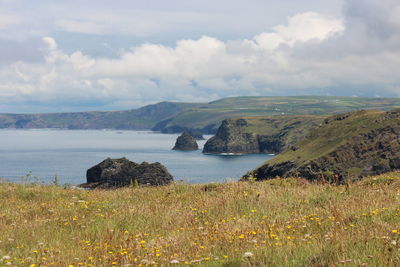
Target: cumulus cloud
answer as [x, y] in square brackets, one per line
[358, 54]
[301, 28]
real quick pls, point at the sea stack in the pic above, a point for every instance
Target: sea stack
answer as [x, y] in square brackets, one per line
[186, 142]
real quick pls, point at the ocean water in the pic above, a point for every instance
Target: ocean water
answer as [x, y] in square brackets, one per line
[43, 154]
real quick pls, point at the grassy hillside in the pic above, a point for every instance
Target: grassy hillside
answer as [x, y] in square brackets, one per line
[349, 145]
[335, 132]
[279, 222]
[208, 117]
[176, 117]
[143, 118]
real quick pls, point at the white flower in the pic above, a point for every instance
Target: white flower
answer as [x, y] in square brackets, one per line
[247, 255]
[174, 261]
[7, 258]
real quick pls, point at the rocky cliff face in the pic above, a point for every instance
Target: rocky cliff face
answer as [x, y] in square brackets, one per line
[231, 138]
[271, 134]
[122, 172]
[347, 146]
[186, 142]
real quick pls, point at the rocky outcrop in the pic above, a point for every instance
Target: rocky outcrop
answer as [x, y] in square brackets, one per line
[346, 147]
[272, 134]
[122, 172]
[196, 134]
[186, 142]
[231, 138]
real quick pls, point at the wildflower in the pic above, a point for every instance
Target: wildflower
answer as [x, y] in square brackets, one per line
[241, 236]
[253, 211]
[395, 231]
[7, 258]
[174, 262]
[247, 255]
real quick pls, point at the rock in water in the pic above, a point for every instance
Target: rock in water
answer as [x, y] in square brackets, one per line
[186, 142]
[345, 147]
[123, 172]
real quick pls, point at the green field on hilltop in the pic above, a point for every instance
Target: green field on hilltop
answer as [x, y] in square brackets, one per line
[175, 117]
[210, 116]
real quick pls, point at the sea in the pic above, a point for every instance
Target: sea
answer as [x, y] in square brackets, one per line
[42, 155]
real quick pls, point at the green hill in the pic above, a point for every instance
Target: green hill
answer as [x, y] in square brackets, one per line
[138, 119]
[176, 117]
[349, 145]
[208, 117]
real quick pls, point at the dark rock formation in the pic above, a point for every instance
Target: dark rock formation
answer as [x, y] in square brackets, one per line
[196, 134]
[186, 142]
[231, 138]
[122, 172]
[345, 147]
[260, 134]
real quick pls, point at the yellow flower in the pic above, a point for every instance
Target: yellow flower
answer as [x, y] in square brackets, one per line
[241, 236]
[395, 231]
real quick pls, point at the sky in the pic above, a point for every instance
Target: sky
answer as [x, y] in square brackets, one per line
[70, 55]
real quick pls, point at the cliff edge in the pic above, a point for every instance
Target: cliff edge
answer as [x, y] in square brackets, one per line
[345, 146]
[268, 134]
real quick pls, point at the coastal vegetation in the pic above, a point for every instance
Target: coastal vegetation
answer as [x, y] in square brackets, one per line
[346, 146]
[173, 117]
[208, 117]
[279, 222]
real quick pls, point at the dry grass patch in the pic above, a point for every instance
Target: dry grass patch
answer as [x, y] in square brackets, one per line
[278, 223]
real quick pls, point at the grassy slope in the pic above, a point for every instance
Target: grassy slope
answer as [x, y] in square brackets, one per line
[197, 115]
[143, 118]
[281, 222]
[295, 126]
[331, 136]
[235, 107]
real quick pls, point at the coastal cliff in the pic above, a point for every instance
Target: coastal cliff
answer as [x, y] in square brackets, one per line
[269, 134]
[346, 146]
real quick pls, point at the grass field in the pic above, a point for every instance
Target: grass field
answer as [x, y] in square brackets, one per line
[235, 107]
[274, 223]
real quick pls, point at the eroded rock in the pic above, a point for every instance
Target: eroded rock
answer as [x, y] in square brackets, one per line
[186, 142]
[123, 172]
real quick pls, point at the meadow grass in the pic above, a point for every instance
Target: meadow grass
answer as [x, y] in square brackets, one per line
[281, 222]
